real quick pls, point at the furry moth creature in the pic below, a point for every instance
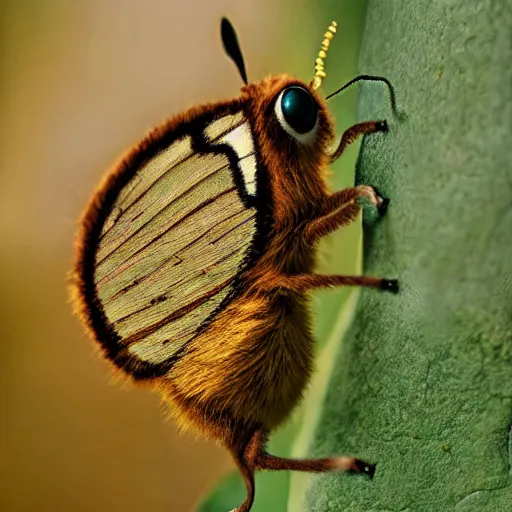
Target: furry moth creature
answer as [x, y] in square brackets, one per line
[196, 253]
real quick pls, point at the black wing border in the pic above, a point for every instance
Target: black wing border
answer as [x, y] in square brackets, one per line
[193, 123]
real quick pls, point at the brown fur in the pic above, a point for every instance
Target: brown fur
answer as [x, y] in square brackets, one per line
[244, 374]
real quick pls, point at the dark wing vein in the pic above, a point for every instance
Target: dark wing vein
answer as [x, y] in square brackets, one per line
[175, 315]
[167, 171]
[143, 278]
[182, 281]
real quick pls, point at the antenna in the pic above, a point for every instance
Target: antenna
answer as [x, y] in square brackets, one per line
[372, 78]
[231, 46]
[322, 54]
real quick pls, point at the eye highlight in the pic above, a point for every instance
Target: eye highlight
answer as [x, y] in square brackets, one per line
[297, 113]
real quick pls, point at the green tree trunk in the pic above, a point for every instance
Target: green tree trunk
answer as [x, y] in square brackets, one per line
[424, 382]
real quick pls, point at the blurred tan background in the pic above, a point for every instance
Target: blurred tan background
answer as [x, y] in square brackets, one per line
[80, 82]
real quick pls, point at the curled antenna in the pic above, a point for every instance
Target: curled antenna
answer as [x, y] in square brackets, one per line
[231, 46]
[322, 54]
[373, 78]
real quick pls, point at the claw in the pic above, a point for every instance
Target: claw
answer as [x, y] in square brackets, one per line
[383, 202]
[383, 206]
[389, 285]
[382, 126]
[365, 468]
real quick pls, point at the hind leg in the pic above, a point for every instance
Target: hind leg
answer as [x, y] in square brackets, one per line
[254, 457]
[264, 460]
[248, 476]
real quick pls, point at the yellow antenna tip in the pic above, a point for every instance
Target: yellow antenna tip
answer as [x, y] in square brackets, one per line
[322, 54]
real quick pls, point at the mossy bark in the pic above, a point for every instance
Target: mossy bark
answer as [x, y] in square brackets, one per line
[424, 382]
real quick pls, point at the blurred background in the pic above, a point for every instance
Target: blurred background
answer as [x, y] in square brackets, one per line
[80, 82]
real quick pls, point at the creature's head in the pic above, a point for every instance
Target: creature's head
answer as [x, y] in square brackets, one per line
[293, 128]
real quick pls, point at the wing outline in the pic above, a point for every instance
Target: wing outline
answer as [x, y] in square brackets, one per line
[102, 215]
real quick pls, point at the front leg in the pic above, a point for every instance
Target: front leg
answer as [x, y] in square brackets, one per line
[354, 132]
[340, 209]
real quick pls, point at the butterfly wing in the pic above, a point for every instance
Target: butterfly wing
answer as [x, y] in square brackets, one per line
[167, 237]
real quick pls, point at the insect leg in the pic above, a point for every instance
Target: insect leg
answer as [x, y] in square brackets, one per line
[254, 456]
[306, 282]
[352, 133]
[340, 209]
[271, 462]
[247, 471]
[264, 460]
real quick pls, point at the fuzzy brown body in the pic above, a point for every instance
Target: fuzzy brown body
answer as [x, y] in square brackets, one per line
[245, 367]
[252, 363]
[248, 370]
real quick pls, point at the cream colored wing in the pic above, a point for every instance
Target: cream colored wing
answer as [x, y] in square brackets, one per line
[175, 238]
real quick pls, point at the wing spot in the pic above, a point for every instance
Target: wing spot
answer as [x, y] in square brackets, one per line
[157, 300]
[127, 288]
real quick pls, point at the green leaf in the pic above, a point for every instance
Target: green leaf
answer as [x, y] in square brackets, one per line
[424, 381]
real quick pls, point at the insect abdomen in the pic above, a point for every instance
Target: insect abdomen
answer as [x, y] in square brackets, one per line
[254, 362]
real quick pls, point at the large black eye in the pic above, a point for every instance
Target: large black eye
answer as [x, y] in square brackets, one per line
[297, 112]
[299, 109]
